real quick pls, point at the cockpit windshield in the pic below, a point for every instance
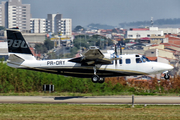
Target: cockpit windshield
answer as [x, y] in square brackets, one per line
[144, 59]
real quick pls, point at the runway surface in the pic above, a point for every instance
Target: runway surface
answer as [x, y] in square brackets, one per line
[92, 99]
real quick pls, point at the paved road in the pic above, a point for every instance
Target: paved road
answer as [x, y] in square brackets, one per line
[91, 100]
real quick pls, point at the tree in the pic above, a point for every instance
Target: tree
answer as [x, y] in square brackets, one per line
[40, 48]
[78, 28]
[95, 40]
[49, 44]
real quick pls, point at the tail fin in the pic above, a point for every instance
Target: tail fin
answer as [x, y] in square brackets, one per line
[18, 49]
[16, 42]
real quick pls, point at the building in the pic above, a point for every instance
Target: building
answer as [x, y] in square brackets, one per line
[160, 53]
[53, 23]
[4, 14]
[58, 25]
[158, 39]
[3, 51]
[168, 31]
[15, 14]
[38, 25]
[142, 33]
[66, 27]
[173, 39]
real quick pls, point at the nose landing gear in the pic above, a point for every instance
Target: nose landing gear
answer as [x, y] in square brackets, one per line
[166, 75]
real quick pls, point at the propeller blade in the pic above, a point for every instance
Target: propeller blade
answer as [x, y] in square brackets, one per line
[115, 55]
[120, 50]
[115, 47]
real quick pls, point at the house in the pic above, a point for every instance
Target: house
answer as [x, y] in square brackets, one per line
[157, 39]
[160, 53]
[173, 39]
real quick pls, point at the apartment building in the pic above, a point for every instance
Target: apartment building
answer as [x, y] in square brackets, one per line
[53, 23]
[15, 14]
[66, 27]
[4, 14]
[38, 25]
[56, 24]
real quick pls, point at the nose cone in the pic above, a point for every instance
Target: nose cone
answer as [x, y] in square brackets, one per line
[164, 67]
[169, 67]
[160, 67]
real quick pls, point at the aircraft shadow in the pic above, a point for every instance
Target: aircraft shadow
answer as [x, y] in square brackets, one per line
[65, 98]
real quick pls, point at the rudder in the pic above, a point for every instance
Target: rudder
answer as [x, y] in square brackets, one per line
[16, 42]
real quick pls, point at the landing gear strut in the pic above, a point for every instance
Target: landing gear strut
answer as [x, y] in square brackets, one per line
[95, 78]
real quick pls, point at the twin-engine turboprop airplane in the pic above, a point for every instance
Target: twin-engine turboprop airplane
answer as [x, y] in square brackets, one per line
[93, 64]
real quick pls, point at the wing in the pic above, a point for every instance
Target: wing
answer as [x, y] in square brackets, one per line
[91, 57]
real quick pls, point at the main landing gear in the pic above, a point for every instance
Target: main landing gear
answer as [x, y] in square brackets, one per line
[95, 78]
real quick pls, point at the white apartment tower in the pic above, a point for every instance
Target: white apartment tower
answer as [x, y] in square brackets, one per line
[56, 24]
[15, 14]
[38, 25]
[66, 27]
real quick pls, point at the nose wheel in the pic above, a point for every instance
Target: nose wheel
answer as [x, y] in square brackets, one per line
[166, 76]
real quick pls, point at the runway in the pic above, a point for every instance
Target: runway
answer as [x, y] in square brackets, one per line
[92, 99]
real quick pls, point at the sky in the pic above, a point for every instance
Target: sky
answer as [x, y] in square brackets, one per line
[110, 12]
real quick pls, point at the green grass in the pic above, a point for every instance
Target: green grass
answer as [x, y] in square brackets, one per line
[87, 112]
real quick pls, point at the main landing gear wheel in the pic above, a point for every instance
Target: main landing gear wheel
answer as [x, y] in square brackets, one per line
[166, 76]
[95, 78]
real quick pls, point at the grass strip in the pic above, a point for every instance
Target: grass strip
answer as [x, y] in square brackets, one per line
[87, 112]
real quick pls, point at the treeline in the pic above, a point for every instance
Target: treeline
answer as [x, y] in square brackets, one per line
[43, 48]
[84, 41]
[148, 23]
[19, 81]
[99, 26]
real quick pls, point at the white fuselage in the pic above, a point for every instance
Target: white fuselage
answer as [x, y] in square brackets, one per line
[128, 66]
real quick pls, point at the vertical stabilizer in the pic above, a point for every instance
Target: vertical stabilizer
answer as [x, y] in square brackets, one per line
[16, 42]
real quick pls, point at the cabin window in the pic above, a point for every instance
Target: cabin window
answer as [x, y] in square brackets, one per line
[128, 61]
[138, 60]
[120, 61]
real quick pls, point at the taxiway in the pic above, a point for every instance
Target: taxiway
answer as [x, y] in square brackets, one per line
[92, 99]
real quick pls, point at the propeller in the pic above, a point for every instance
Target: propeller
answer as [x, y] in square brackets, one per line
[116, 54]
[120, 49]
[115, 47]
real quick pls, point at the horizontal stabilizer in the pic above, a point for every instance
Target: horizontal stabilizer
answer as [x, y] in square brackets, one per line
[13, 58]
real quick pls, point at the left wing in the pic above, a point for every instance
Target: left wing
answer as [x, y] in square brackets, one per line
[91, 57]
